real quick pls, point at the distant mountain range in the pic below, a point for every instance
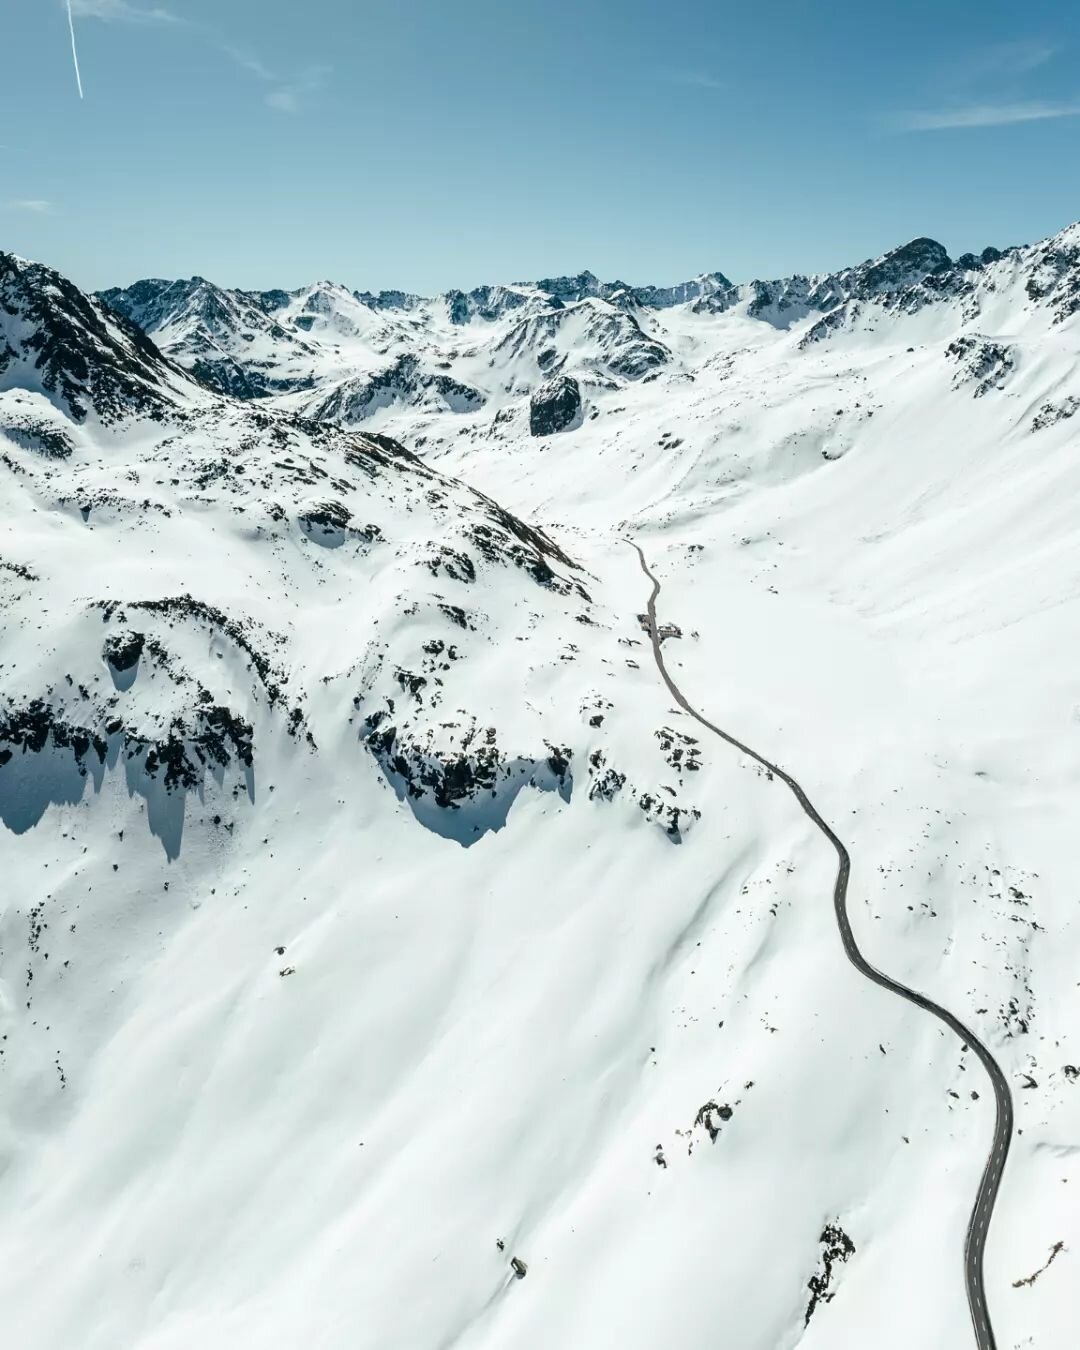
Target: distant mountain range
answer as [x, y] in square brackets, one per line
[346, 355]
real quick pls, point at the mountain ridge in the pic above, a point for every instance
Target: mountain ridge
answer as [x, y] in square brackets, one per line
[569, 286]
[327, 351]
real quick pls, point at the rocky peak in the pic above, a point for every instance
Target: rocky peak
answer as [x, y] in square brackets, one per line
[148, 303]
[271, 301]
[78, 351]
[483, 302]
[327, 296]
[903, 266]
[664, 297]
[584, 285]
[387, 299]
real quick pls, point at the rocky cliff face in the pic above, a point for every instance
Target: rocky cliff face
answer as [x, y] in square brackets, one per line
[555, 406]
[75, 350]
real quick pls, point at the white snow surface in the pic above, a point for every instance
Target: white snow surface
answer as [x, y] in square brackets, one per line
[291, 1056]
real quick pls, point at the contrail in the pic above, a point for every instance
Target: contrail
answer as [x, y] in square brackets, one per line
[74, 49]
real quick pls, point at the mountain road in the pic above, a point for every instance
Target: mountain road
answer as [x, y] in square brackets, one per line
[982, 1212]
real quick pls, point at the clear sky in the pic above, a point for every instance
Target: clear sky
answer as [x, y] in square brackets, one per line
[431, 143]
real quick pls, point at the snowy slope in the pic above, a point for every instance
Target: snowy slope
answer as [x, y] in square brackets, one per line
[373, 918]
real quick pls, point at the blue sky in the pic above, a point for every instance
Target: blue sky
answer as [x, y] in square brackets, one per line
[430, 143]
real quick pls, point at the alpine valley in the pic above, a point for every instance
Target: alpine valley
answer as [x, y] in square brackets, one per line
[388, 960]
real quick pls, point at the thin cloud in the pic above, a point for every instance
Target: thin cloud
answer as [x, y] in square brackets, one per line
[36, 205]
[122, 11]
[289, 92]
[984, 115]
[249, 62]
[111, 11]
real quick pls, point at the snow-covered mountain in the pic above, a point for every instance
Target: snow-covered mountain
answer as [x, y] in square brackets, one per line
[354, 357]
[348, 356]
[374, 917]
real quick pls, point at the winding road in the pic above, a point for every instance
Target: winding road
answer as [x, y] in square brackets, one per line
[982, 1212]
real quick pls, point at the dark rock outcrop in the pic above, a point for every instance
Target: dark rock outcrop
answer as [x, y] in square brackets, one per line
[123, 649]
[37, 435]
[1050, 413]
[463, 785]
[836, 1248]
[982, 362]
[1053, 274]
[555, 406]
[903, 266]
[404, 381]
[83, 355]
[181, 755]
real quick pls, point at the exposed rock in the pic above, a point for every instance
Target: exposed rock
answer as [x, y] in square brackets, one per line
[37, 435]
[457, 781]
[982, 362]
[674, 819]
[1050, 413]
[485, 302]
[1029, 1280]
[555, 406]
[122, 650]
[680, 750]
[1054, 273]
[904, 265]
[83, 355]
[241, 632]
[836, 1247]
[388, 299]
[211, 735]
[603, 342]
[711, 1116]
[405, 381]
[607, 782]
[210, 331]
[27, 730]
